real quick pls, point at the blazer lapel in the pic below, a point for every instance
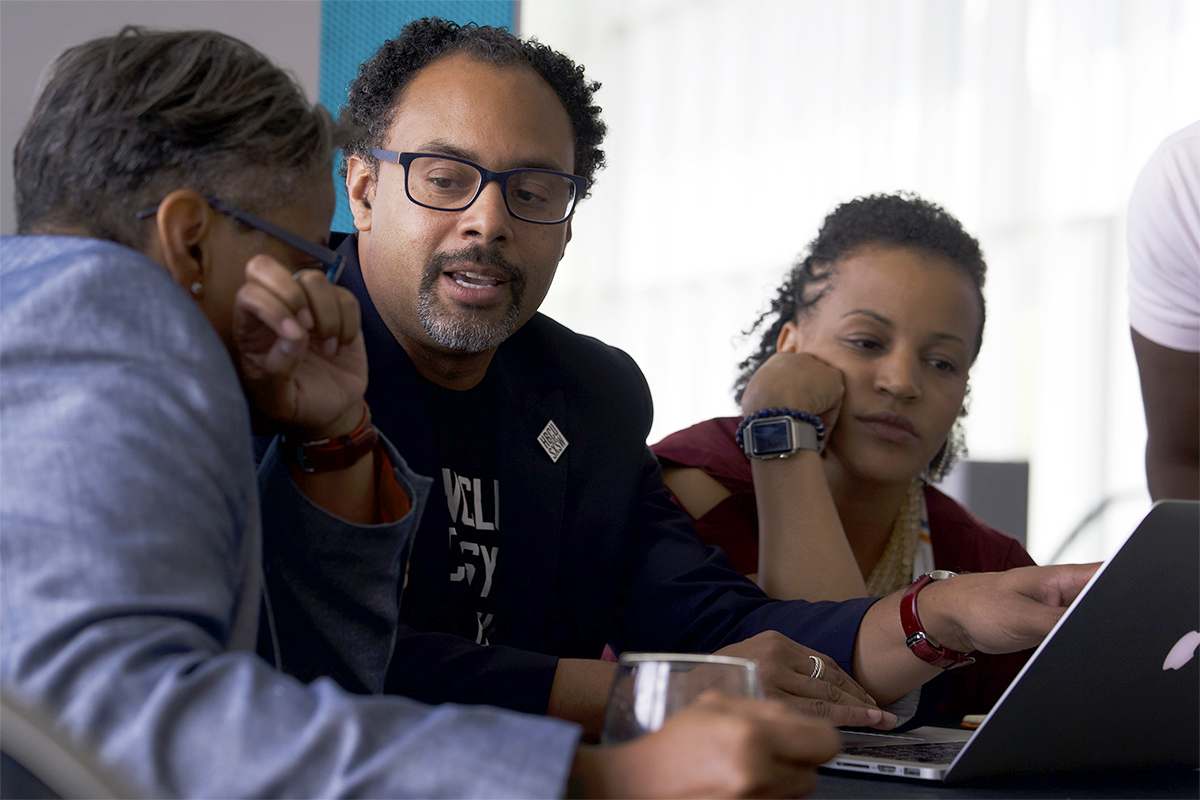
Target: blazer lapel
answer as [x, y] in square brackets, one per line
[533, 495]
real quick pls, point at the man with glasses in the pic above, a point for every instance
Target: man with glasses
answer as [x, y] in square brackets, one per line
[551, 538]
[171, 283]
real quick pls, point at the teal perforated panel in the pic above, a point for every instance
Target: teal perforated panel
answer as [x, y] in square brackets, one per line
[351, 30]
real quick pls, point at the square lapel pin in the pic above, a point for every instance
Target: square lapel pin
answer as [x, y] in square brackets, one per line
[552, 441]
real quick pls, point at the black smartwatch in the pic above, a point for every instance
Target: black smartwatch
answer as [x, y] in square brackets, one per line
[779, 437]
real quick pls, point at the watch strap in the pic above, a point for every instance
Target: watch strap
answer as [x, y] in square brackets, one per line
[334, 453]
[917, 640]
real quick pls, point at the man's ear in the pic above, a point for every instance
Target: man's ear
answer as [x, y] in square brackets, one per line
[183, 224]
[360, 188]
[791, 339]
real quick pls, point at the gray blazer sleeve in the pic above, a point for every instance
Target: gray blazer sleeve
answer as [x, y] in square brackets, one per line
[129, 564]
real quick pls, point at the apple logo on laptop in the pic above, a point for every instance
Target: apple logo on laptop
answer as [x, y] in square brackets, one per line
[1183, 651]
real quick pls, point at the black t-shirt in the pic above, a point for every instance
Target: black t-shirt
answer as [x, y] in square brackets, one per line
[464, 424]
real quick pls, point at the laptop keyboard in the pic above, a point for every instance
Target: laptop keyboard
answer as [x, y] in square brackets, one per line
[923, 753]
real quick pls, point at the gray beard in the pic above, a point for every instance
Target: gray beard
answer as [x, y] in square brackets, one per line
[462, 331]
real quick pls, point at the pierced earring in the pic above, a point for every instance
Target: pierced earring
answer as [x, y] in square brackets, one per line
[954, 448]
[197, 287]
[935, 471]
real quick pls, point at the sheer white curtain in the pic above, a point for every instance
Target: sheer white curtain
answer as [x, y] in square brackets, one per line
[736, 125]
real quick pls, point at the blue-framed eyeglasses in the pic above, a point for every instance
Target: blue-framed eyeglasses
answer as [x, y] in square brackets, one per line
[329, 259]
[445, 183]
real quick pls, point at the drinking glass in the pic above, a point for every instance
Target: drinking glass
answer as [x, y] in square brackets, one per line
[650, 687]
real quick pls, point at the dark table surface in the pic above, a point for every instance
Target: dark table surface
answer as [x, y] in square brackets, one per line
[1159, 783]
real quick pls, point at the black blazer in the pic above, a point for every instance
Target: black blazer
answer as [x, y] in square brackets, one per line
[594, 550]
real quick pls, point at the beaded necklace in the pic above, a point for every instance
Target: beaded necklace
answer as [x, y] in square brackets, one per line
[909, 552]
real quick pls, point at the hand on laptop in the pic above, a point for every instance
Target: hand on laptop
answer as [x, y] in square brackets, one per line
[991, 612]
[786, 669]
[1001, 612]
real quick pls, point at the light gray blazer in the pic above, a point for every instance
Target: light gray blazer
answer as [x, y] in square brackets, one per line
[130, 577]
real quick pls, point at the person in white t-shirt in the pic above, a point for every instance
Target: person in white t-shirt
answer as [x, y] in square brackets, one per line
[1164, 310]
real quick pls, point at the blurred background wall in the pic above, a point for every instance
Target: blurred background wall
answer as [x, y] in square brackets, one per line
[736, 125]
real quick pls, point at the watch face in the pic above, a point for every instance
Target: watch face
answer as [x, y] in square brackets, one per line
[771, 437]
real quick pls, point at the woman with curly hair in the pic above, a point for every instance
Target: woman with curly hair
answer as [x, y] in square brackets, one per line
[822, 491]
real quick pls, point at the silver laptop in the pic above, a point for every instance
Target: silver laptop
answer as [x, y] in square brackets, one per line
[1114, 685]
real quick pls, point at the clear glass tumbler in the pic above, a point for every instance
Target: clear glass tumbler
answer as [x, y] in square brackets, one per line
[650, 687]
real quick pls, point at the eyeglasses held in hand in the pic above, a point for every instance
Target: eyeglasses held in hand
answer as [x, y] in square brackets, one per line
[445, 183]
[330, 260]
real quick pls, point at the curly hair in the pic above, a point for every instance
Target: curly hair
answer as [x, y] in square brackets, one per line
[126, 119]
[902, 219]
[375, 94]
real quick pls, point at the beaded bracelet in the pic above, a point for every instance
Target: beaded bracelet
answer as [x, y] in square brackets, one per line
[803, 416]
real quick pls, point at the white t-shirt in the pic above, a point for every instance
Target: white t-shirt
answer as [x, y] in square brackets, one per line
[1164, 244]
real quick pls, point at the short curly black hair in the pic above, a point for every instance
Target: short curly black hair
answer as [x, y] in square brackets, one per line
[901, 219]
[375, 93]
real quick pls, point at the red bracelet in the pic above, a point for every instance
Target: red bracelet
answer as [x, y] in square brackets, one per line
[917, 640]
[339, 452]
